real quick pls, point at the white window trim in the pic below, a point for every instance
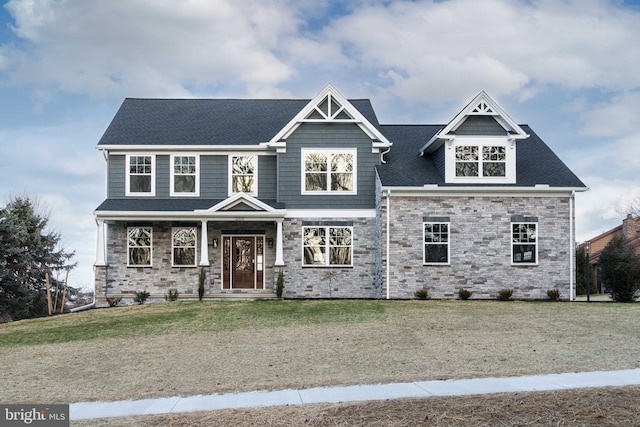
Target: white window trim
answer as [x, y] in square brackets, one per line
[151, 248]
[328, 247]
[195, 248]
[328, 151]
[524, 264]
[255, 172]
[478, 141]
[128, 175]
[172, 191]
[436, 243]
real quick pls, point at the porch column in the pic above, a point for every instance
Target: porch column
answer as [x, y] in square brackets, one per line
[204, 245]
[279, 251]
[100, 251]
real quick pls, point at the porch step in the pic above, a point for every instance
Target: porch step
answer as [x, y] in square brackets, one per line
[241, 295]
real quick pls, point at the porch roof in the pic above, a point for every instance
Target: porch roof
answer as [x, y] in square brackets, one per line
[182, 205]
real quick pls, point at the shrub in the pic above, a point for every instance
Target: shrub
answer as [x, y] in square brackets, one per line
[505, 294]
[141, 297]
[280, 284]
[114, 301]
[172, 295]
[422, 293]
[201, 279]
[553, 294]
[620, 270]
[464, 294]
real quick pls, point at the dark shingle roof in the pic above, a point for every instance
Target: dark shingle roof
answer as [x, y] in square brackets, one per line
[206, 121]
[535, 162]
[166, 205]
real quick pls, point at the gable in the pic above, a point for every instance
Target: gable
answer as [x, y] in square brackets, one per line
[330, 106]
[480, 125]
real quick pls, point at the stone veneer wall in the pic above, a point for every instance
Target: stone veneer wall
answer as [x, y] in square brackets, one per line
[331, 282]
[119, 280]
[480, 251]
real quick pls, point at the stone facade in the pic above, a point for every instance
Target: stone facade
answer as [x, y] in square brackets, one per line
[480, 246]
[358, 281]
[117, 279]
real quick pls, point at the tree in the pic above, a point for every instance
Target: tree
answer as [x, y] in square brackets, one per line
[620, 270]
[28, 251]
[581, 273]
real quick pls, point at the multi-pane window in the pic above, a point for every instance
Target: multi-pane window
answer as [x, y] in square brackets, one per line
[524, 242]
[139, 246]
[327, 246]
[243, 174]
[475, 161]
[140, 175]
[436, 242]
[185, 175]
[183, 243]
[329, 171]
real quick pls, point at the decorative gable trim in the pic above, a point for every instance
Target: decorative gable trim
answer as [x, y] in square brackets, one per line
[242, 201]
[481, 105]
[330, 106]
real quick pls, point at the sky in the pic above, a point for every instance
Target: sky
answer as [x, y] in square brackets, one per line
[569, 69]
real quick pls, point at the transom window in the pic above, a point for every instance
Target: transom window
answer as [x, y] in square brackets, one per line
[329, 171]
[183, 244]
[184, 175]
[140, 175]
[243, 174]
[139, 246]
[436, 243]
[524, 242]
[327, 246]
[475, 161]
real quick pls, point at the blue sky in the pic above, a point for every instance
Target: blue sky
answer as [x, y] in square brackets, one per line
[569, 69]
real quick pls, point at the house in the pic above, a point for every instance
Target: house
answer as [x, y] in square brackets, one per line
[629, 229]
[344, 206]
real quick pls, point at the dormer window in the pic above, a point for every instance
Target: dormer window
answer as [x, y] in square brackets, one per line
[475, 161]
[480, 160]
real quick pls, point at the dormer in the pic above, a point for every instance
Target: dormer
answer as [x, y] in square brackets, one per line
[478, 145]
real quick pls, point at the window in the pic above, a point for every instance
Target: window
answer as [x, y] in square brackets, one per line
[436, 243]
[492, 162]
[524, 242]
[243, 175]
[329, 171]
[184, 176]
[139, 246]
[327, 246]
[183, 242]
[140, 175]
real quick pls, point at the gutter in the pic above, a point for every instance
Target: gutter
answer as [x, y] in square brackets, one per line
[572, 247]
[388, 240]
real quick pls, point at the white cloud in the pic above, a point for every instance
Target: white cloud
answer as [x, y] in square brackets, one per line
[617, 116]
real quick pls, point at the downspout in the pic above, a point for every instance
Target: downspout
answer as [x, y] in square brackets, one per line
[85, 307]
[571, 248]
[388, 240]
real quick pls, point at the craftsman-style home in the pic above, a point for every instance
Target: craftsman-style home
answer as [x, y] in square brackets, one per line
[344, 206]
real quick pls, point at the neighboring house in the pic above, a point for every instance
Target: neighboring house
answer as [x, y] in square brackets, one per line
[629, 229]
[345, 207]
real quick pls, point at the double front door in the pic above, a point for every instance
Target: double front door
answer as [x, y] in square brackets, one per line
[243, 262]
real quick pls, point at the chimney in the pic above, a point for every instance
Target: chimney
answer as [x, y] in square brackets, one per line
[630, 227]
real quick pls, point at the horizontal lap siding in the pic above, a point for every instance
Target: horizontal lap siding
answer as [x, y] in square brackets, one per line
[339, 136]
[116, 176]
[213, 177]
[267, 177]
[162, 176]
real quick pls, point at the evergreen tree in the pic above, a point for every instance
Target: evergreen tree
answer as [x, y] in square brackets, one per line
[581, 273]
[620, 270]
[27, 253]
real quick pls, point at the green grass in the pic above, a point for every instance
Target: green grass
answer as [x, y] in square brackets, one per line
[160, 319]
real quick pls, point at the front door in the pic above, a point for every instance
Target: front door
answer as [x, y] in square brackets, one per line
[243, 262]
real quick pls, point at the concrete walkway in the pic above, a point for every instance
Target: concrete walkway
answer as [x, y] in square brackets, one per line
[212, 402]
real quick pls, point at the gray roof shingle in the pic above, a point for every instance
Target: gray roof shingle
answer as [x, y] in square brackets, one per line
[206, 121]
